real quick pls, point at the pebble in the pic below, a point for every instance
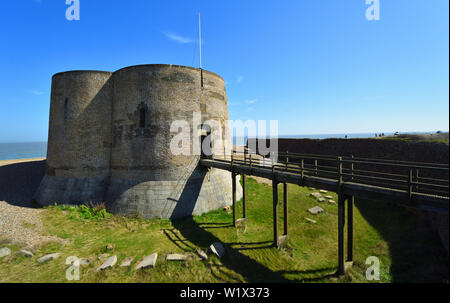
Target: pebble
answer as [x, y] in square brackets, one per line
[103, 256]
[282, 241]
[127, 262]
[109, 247]
[217, 249]
[202, 254]
[26, 253]
[315, 210]
[329, 197]
[241, 220]
[176, 257]
[49, 257]
[109, 263]
[316, 195]
[310, 220]
[4, 251]
[323, 191]
[85, 262]
[332, 202]
[148, 261]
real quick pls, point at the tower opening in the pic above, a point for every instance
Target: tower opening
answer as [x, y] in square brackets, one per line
[142, 118]
[206, 142]
[66, 103]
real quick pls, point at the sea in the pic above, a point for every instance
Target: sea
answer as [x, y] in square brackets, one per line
[27, 150]
[24, 150]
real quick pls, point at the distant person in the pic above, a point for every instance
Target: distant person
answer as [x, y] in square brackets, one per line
[345, 136]
[376, 135]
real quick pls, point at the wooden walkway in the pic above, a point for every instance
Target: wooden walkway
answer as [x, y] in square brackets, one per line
[423, 185]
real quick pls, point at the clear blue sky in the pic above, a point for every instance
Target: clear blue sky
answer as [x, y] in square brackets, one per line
[317, 66]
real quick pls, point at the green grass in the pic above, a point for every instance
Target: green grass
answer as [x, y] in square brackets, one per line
[408, 251]
[431, 138]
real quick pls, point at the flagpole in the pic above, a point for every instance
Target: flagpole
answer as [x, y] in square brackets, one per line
[200, 38]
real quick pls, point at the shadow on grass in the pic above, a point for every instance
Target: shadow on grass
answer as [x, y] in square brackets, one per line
[417, 254]
[251, 270]
[234, 260]
[19, 182]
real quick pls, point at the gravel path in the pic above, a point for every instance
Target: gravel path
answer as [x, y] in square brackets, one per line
[12, 229]
[19, 180]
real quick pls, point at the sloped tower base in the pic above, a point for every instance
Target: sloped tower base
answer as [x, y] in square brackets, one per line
[202, 192]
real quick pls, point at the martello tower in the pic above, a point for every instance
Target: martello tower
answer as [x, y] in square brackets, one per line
[109, 141]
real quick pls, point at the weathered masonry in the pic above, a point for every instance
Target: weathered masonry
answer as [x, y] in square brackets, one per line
[109, 141]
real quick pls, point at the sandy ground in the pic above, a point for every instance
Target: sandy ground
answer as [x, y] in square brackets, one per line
[20, 221]
[6, 162]
[19, 180]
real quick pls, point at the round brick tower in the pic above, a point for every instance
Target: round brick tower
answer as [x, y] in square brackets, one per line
[110, 141]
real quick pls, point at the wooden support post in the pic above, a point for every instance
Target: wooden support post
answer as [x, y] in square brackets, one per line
[285, 205]
[275, 212]
[410, 186]
[341, 179]
[287, 159]
[350, 204]
[341, 224]
[341, 220]
[315, 168]
[233, 176]
[244, 213]
[302, 171]
[352, 168]
[417, 181]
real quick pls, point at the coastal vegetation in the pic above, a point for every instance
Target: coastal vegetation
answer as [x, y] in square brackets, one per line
[438, 137]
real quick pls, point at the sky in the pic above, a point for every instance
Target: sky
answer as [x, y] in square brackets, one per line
[316, 66]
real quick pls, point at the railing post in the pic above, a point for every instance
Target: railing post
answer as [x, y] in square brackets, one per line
[341, 220]
[340, 172]
[341, 224]
[302, 170]
[410, 182]
[233, 177]
[285, 204]
[352, 168]
[315, 168]
[275, 211]
[287, 159]
[273, 165]
[350, 204]
[244, 213]
[417, 181]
